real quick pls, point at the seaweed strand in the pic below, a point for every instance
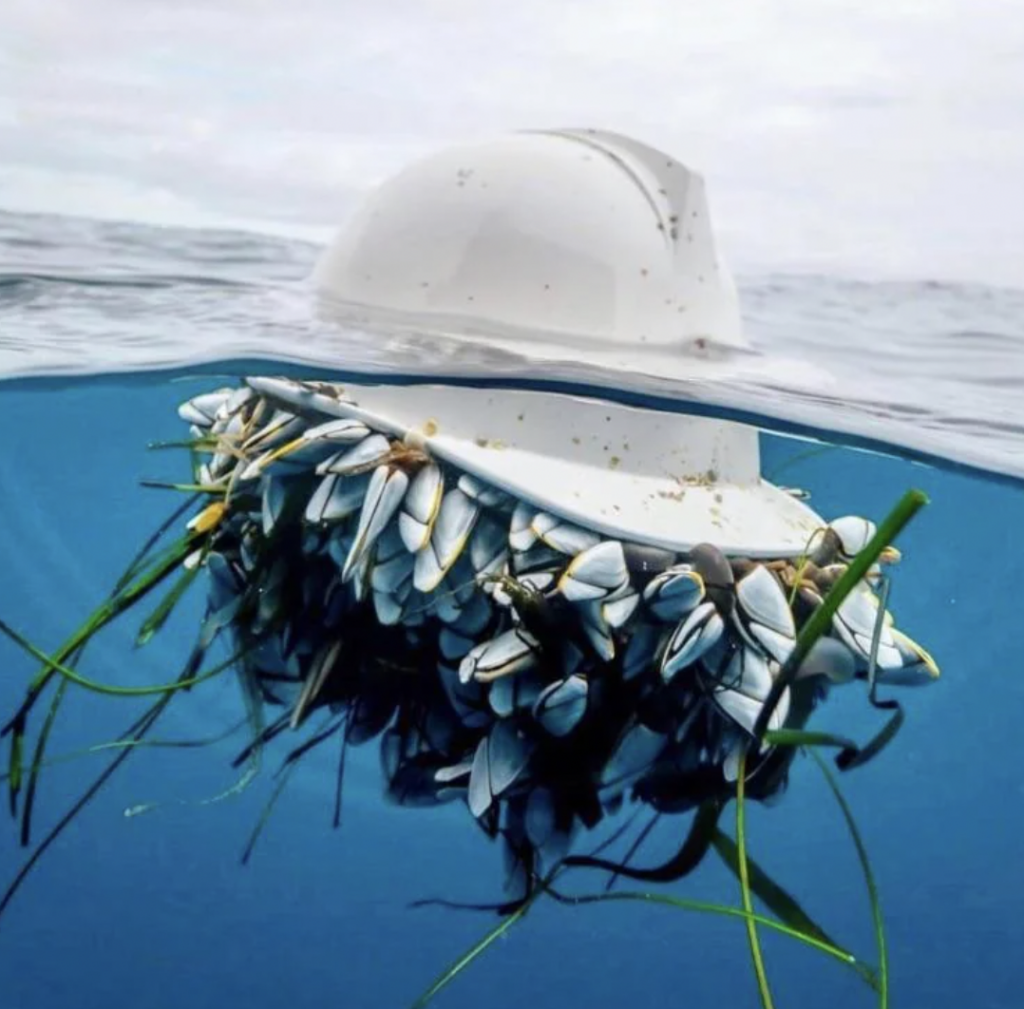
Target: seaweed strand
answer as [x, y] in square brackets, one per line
[705, 907]
[71, 676]
[748, 903]
[869, 879]
[135, 733]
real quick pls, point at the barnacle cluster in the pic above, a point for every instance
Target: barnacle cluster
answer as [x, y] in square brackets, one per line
[534, 669]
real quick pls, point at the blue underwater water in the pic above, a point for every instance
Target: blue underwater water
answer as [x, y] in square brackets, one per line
[154, 910]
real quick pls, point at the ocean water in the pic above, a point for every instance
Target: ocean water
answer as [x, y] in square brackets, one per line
[104, 329]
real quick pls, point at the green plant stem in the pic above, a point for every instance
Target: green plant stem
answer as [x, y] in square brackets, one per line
[102, 688]
[125, 593]
[102, 616]
[786, 908]
[869, 879]
[802, 737]
[125, 744]
[820, 621]
[748, 903]
[186, 488]
[476, 950]
[156, 620]
[135, 733]
[207, 444]
[701, 907]
[704, 907]
[120, 600]
[267, 812]
[154, 538]
[37, 764]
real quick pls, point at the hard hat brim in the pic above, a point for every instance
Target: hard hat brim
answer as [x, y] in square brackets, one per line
[644, 476]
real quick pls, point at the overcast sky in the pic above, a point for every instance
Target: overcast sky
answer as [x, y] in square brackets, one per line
[881, 137]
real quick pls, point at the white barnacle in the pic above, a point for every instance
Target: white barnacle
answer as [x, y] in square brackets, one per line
[421, 507]
[596, 573]
[449, 536]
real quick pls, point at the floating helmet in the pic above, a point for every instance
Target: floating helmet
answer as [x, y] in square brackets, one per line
[576, 245]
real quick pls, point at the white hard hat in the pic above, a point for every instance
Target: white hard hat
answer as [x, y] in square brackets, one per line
[580, 245]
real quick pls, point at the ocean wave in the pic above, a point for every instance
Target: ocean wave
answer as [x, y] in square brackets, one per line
[932, 368]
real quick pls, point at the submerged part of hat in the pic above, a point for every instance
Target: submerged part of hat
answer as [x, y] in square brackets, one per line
[577, 245]
[646, 476]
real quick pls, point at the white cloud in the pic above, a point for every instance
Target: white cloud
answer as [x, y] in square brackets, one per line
[871, 137]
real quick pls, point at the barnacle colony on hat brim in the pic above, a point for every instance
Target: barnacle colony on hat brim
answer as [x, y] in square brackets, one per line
[537, 668]
[543, 606]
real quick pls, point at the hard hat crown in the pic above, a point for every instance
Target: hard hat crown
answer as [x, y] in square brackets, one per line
[576, 246]
[577, 238]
